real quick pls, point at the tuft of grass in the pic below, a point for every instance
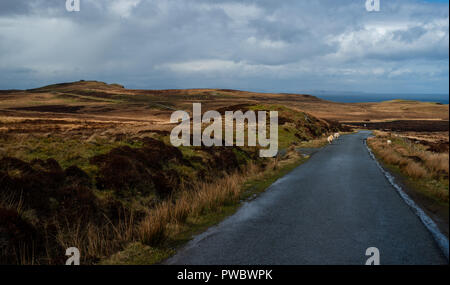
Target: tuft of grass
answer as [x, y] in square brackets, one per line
[437, 163]
[415, 170]
[152, 230]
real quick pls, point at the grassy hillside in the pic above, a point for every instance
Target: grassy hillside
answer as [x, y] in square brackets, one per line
[74, 174]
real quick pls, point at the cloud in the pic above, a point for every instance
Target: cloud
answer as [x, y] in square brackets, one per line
[123, 8]
[395, 41]
[264, 45]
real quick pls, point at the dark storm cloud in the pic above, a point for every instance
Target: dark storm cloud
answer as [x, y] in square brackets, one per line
[260, 45]
[14, 7]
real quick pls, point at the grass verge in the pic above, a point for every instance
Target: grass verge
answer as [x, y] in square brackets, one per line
[423, 173]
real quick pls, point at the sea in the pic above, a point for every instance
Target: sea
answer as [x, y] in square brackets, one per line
[360, 98]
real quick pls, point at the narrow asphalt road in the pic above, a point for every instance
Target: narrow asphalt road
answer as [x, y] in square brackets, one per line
[326, 211]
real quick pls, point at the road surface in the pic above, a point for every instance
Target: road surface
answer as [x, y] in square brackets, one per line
[327, 211]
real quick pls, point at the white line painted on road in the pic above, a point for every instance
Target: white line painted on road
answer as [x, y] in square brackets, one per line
[440, 238]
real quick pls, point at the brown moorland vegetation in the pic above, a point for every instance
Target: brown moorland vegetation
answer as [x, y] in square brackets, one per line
[92, 99]
[89, 164]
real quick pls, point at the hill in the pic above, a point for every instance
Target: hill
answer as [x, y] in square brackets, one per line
[93, 99]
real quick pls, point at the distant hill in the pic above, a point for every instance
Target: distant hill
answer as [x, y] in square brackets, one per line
[95, 98]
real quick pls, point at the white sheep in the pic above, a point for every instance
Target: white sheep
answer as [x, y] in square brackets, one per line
[336, 136]
[389, 142]
[330, 139]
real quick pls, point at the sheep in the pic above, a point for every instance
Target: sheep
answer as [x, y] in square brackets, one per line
[389, 142]
[336, 136]
[330, 139]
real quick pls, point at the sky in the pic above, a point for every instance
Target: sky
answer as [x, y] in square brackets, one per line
[259, 45]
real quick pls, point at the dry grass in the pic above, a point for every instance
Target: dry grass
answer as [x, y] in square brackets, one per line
[95, 241]
[436, 162]
[152, 230]
[428, 170]
[392, 157]
[206, 198]
[414, 169]
[314, 143]
[209, 197]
